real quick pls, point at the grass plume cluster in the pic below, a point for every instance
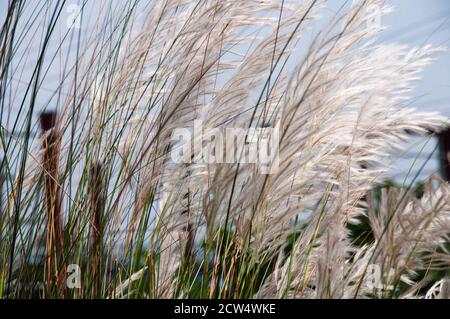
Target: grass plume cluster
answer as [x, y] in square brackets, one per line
[96, 186]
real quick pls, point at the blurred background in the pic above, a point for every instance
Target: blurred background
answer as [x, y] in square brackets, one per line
[415, 22]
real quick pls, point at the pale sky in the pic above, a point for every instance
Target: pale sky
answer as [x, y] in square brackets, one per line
[416, 22]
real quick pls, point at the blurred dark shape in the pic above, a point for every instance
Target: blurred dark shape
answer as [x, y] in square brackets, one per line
[47, 120]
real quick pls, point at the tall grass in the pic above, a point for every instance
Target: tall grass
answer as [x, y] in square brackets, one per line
[96, 186]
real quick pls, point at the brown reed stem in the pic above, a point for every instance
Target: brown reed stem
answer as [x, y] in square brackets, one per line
[54, 270]
[189, 247]
[96, 208]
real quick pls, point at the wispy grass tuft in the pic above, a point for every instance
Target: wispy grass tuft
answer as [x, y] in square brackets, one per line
[87, 178]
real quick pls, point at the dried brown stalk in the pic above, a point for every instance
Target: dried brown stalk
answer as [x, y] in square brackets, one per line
[54, 270]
